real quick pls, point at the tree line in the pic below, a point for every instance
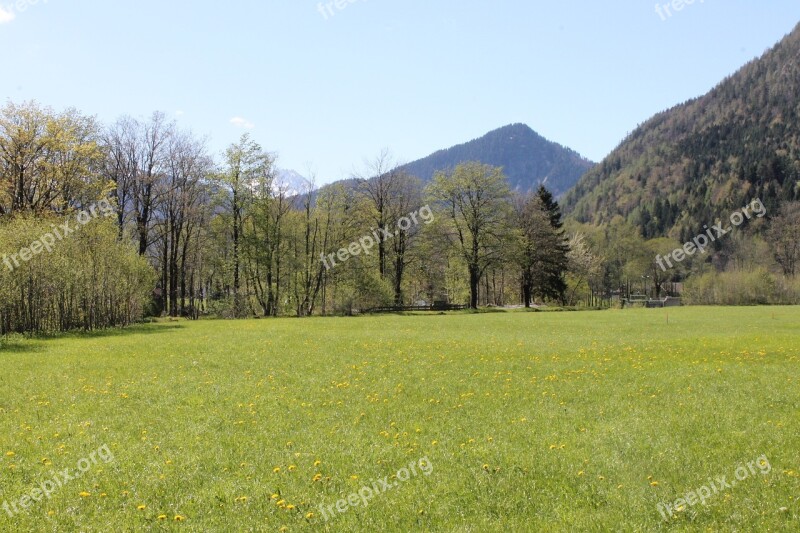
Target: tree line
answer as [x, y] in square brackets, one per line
[191, 235]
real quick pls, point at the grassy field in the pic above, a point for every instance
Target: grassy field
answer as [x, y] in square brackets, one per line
[465, 422]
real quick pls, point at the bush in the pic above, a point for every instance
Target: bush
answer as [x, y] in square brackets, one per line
[87, 280]
[756, 287]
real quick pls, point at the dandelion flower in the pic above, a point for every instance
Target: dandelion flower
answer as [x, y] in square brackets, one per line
[179, 518]
[84, 494]
[141, 507]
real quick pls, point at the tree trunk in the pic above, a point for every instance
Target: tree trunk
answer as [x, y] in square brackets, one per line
[474, 282]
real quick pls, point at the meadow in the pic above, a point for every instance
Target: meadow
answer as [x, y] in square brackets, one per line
[507, 421]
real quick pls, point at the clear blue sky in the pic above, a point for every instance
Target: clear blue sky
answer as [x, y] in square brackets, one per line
[410, 75]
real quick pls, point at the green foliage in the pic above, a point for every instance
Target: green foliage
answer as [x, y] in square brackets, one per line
[473, 200]
[757, 287]
[584, 272]
[784, 234]
[545, 261]
[48, 161]
[89, 280]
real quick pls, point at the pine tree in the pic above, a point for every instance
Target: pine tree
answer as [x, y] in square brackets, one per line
[544, 259]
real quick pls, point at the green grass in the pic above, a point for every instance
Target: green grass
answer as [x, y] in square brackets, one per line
[529, 421]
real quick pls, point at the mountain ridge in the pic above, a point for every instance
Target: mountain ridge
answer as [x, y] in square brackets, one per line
[528, 159]
[700, 159]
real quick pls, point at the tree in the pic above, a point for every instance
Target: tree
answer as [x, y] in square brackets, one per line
[181, 210]
[49, 161]
[151, 157]
[137, 161]
[652, 272]
[120, 164]
[784, 236]
[379, 186]
[474, 199]
[334, 208]
[584, 265]
[246, 164]
[408, 200]
[621, 244]
[313, 225]
[543, 261]
[270, 205]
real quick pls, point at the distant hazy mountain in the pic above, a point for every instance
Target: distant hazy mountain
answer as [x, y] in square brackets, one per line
[528, 159]
[699, 161]
[294, 181]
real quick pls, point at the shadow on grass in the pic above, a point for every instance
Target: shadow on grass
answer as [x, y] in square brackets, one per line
[20, 344]
[459, 312]
[138, 329]
[8, 346]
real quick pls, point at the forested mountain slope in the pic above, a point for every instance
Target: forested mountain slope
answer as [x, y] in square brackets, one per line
[702, 159]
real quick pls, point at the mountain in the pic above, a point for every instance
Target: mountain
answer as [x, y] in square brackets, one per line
[701, 160]
[293, 181]
[528, 159]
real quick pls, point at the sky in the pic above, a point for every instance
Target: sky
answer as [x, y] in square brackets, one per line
[327, 86]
